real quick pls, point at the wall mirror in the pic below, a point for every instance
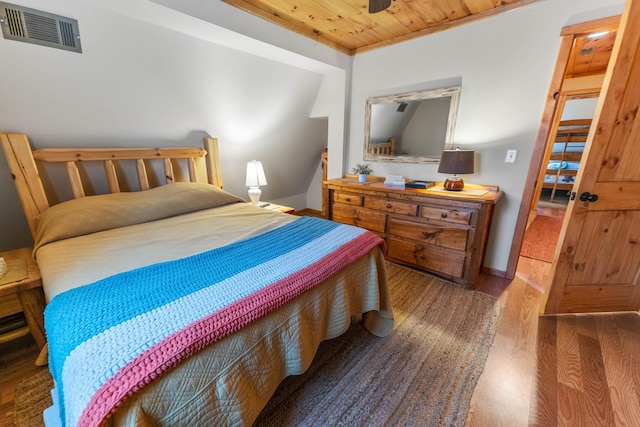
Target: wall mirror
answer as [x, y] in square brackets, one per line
[412, 127]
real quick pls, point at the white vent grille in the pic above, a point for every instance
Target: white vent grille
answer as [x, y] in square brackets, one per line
[43, 28]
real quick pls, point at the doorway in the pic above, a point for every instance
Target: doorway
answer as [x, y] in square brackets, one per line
[583, 57]
[557, 175]
[564, 151]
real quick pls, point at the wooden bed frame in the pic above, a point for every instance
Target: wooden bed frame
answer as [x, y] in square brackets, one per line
[382, 148]
[25, 173]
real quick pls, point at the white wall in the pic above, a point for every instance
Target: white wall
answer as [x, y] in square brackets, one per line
[504, 64]
[152, 76]
[279, 43]
[427, 128]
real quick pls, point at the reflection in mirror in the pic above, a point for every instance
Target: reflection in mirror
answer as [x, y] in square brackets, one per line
[413, 127]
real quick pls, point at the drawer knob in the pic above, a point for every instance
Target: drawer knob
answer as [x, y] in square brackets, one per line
[388, 205]
[347, 199]
[443, 215]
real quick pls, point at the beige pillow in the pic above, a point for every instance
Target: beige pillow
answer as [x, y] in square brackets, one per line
[91, 214]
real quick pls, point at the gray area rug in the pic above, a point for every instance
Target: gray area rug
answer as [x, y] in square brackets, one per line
[32, 397]
[423, 374]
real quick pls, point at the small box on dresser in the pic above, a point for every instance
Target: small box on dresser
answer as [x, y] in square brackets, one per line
[444, 233]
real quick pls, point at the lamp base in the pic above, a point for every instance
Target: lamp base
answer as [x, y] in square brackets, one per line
[453, 183]
[254, 194]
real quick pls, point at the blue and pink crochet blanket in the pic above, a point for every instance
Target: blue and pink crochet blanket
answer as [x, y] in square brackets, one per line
[110, 338]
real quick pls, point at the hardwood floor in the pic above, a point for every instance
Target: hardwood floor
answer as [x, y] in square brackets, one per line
[571, 370]
[17, 359]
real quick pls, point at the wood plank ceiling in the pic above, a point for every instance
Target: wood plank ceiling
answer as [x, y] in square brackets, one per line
[590, 53]
[347, 25]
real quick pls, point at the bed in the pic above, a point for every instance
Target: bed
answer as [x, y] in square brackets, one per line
[181, 304]
[565, 156]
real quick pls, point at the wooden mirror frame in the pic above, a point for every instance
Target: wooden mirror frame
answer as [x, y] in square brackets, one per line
[453, 92]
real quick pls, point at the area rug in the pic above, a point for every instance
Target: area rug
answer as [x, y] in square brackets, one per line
[541, 238]
[422, 374]
[32, 397]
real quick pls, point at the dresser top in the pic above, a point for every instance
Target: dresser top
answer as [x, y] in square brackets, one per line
[486, 194]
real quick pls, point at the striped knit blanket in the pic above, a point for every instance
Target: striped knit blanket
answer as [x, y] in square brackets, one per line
[110, 338]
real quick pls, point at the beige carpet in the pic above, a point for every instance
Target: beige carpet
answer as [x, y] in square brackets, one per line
[423, 374]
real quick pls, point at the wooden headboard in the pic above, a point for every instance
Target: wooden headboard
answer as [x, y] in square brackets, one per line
[382, 148]
[22, 163]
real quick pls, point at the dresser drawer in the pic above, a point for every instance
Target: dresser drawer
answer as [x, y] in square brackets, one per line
[438, 235]
[392, 206]
[427, 256]
[365, 218]
[447, 215]
[347, 198]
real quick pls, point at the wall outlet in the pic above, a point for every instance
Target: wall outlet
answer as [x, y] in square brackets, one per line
[511, 156]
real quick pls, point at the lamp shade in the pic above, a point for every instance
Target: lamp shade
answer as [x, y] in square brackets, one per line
[456, 161]
[255, 174]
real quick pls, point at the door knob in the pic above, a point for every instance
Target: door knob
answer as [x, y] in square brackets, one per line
[588, 197]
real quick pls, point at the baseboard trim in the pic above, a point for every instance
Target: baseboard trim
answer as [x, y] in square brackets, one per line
[495, 272]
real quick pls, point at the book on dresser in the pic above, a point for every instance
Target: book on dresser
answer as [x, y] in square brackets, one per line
[419, 184]
[439, 232]
[394, 181]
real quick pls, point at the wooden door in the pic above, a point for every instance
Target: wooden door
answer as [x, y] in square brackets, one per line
[597, 266]
[573, 71]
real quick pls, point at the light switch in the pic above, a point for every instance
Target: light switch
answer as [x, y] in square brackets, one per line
[511, 156]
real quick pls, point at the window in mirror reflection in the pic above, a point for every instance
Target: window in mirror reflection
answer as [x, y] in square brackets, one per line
[413, 127]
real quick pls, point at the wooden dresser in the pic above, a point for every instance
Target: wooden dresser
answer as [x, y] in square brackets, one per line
[442, 232]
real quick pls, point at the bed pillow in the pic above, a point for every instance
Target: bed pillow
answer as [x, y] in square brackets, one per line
[557, 165]
[91, 214]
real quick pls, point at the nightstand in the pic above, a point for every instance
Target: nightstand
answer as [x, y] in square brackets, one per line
[23, 280]
[276, 208]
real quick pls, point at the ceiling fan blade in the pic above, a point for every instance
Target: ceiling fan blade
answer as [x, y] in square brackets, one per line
[378, 5]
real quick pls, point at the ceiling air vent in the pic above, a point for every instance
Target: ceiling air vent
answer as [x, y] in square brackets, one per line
[37, 27]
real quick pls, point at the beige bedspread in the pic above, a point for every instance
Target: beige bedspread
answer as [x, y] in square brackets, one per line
[229, 382]
[68, 263]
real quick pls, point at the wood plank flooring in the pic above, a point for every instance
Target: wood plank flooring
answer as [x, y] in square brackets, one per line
[572, 370]
[17, 359]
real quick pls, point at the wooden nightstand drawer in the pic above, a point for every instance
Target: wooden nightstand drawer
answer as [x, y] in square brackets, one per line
[448, 215]
[427, 256]
[443, 236]
[347, 198]
[9, 305]
[365, 218]
[28, 289]
[392, 206]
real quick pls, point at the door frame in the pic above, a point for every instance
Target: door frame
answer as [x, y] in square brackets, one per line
[567, 37]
